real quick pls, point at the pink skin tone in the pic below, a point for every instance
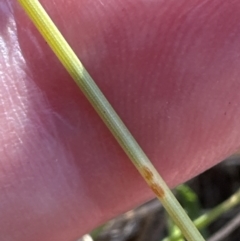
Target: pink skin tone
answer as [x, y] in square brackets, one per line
[171, 69]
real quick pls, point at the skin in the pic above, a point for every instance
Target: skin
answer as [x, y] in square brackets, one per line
[169, 68]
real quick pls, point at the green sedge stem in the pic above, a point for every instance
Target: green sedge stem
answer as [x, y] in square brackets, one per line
[209, 217]
[75, 68]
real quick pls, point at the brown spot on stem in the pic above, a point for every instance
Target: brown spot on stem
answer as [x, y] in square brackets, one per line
[157, 190]
[147, 174]
[150, 178]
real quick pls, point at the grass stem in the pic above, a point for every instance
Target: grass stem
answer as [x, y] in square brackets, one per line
[75, 68]
[209, 217]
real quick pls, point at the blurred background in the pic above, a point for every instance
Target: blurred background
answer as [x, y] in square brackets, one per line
[212, 200]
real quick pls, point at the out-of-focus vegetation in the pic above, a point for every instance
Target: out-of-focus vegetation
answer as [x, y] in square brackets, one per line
[212, 199]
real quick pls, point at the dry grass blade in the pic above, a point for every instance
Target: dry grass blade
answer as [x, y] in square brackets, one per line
[226, 230]
[73, 65]
[209, 217]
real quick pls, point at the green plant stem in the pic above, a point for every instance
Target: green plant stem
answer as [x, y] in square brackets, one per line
[75, 68]
[209, 217]
[189, 200]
